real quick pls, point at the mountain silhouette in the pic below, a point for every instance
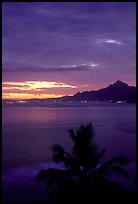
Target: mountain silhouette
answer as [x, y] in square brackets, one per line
[119, 91]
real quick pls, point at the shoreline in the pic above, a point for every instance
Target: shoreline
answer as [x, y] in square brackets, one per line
[20, 183]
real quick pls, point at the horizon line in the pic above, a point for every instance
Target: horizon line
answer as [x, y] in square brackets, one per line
[63, 95]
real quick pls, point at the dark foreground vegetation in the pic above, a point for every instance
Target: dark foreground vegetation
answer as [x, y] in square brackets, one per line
[84, 177]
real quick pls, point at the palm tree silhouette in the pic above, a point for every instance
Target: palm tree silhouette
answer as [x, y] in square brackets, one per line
[82, 165]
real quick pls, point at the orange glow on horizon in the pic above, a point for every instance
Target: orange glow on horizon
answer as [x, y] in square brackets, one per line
[34, 89]
[29, 85]
[16, 96]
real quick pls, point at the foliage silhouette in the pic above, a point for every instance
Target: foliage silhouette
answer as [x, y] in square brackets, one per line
[82, 167]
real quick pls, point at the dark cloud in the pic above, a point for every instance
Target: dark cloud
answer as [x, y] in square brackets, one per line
[52, 69]
[40, 37]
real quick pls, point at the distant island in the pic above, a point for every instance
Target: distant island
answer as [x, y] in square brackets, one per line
[119, 92]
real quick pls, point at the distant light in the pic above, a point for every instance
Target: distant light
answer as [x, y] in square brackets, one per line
[21, 101]
[9, 102]
[120, 101]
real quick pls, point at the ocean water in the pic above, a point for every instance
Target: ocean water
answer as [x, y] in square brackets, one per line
[29, 132]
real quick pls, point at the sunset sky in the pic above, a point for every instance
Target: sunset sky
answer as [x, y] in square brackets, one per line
[55, 49]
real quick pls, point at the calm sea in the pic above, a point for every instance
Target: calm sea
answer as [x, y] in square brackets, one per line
[29, 132]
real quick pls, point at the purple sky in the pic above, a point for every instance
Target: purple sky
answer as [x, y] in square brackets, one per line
[86, 45]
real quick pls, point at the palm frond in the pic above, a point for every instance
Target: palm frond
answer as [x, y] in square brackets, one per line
[54, 175]
[58, 153]
[69, 161]
[57, 149]
[42, 175]
[85, 150]
[72, 134]
[121, 160]
[83, 160]
[49, 175]
[100, 154]
[116, 164]
[120, 171]
[90, 130]
[51, 172]
[96, 156]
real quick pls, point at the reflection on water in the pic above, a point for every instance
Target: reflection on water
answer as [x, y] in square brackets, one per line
[28, 132]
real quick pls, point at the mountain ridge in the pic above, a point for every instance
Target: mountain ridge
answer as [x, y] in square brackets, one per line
[118, 91]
